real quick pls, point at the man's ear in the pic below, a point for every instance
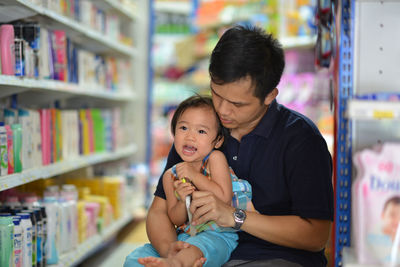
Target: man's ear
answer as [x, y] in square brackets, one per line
[219, 142]
[271, 96]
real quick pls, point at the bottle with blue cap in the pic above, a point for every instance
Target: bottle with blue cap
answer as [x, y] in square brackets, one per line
[26, 225]
[17, 241]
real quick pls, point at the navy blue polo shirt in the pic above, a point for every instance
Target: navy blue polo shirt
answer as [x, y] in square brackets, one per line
[287, 162]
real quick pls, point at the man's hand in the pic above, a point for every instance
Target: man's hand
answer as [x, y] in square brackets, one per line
[206, 207]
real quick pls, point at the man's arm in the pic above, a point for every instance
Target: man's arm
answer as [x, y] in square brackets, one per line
[289, 231]
[160, 231]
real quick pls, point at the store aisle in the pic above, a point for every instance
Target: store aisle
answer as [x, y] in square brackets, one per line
[114, 253]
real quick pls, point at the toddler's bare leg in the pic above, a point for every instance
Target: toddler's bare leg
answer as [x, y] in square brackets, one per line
[184, 258]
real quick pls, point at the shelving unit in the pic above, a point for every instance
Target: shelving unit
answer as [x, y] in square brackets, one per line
[119, 8]
[30, 175]
[51, 90]
[88, 247]
[11, 85]
[82, 34]
[184, 8]
[373, 110]
[132, 101]
[298, 42]
[368, 41]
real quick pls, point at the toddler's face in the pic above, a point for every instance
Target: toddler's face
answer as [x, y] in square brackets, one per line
[390, 219]
[195, 133]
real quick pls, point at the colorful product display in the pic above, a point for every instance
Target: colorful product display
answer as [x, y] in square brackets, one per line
[23, 43]
[376, 205]
[36, 232]
[32, 138]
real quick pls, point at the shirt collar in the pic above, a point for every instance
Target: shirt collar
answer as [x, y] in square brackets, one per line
[267, 122]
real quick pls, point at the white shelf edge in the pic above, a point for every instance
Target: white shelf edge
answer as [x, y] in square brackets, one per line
[121, 9]
[80, 28]
[298, 41]
[63, 87]
[373, 110]
[29, 175]
[77, 255]
[175, 7]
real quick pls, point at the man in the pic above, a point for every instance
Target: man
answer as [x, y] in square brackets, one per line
[280, 152]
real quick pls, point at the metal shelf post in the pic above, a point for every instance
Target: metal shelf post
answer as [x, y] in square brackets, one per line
[343, 135]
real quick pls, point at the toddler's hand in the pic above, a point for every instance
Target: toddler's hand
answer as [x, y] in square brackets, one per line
[185, 170]
[183, 189]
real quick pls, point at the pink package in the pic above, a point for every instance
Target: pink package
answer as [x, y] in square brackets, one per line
[7, 53]
[376, 205]
[92, 211]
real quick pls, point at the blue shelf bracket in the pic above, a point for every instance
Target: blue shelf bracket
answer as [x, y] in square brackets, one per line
[344, 133]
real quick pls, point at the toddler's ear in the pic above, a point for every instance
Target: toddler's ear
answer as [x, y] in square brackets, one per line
[219, 142]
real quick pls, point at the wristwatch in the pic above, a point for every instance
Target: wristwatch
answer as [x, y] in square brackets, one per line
[239, 216]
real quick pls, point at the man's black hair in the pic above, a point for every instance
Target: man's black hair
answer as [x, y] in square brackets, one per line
[248, 51]
[197, 101]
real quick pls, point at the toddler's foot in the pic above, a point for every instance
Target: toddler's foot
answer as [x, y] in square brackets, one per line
[158, 262]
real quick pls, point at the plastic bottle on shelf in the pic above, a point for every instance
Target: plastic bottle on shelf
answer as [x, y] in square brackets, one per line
[39, 237]
[26, 225]
[17, 145]
[44, 220]
[65, 226]
[70, 193]
[18, 235]
[7, 49]
[6, 240]
[3, 150]
[53, 226]
[12, 202]
[52, 191]
[34, 234]
[10, 149]
[31, 202]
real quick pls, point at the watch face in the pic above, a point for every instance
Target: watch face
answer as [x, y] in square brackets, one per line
[240, 214]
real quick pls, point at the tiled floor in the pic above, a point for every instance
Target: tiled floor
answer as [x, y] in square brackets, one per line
[114, 253]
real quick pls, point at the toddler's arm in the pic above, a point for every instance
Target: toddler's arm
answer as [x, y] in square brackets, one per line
[176, 208]
[220, 183]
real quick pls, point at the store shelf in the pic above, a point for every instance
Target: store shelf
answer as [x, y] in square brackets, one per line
[298, 42]
[27, 176]
[82, 34]
[224, 22]
[92, 244]
[120, 8]
[349, 259]
[12, 84]
[373, 110]
[175, 7]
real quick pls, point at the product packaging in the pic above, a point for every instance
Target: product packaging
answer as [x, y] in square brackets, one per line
[7, 49]
[6, 239]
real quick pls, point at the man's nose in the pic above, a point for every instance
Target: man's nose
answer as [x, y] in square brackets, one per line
[223, 108]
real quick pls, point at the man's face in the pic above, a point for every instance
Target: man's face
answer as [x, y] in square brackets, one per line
[237, 107]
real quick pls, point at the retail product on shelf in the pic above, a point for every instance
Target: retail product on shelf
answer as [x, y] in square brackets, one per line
[6, 232]
[7, 49]
[71, 64]
[68, 215]
[376, 205]
[56, 135]
[17, 239]
[50, 54]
